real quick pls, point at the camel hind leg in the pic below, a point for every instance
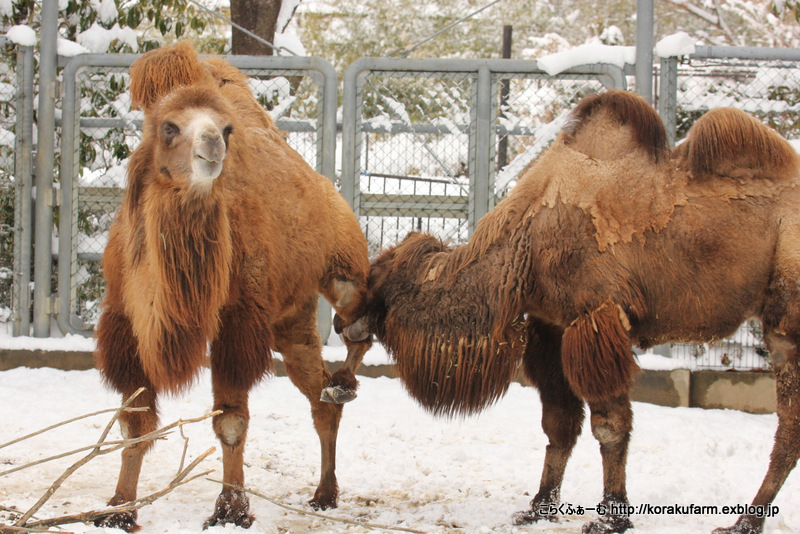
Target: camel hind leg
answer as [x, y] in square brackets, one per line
[299, 342]
[118, 362]
[781, 325]
[786, 449]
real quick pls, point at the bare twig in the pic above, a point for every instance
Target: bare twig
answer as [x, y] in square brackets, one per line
[68, 421]
[74, 467]
[102, 447]
[315, 514]
[114, 445]
[87, 517]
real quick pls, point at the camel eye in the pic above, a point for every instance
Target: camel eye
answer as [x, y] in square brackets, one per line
[169, 130]
[226, 133]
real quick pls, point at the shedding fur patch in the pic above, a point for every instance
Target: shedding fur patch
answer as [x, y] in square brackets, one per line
[596, 354]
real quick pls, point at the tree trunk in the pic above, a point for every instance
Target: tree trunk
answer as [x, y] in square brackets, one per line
[258, 16]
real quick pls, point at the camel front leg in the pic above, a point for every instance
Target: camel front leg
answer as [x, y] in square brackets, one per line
[300, 344]
[347, 297]
[562, 418]
[240, 356]
[118, 362]
[612, 421]
[343, 384]
[232, 504]
[786, 450]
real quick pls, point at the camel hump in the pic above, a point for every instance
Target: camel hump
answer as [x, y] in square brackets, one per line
[159, 71]
[730, 142]
[609, 125]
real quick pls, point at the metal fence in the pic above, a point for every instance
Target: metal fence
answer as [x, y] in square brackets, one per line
[16, 131]
[431, 144]
[426, 144]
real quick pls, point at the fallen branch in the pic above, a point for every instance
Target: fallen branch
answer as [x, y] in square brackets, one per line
[88, 517]
[102, 447]
[315, 514]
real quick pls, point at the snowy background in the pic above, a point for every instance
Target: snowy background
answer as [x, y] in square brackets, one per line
[397, 465]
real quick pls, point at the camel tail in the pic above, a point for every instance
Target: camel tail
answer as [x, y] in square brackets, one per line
[730, 142]
[627, 109]
[596, 354]
[452, 374]
[158, 72]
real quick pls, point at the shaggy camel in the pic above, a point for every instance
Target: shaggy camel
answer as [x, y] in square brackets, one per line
[609, 240]
[226, 237]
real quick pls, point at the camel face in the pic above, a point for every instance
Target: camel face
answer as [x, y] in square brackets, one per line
[194, 145]
[192, 139]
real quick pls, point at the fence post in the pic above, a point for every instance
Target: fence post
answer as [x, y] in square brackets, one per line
[480, 148]
[668, 95]
[351, 134]
[644, 49]
[23, 216]
[43, 258]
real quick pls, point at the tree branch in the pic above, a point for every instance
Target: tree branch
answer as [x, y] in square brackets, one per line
[314, 514]
[102, 447]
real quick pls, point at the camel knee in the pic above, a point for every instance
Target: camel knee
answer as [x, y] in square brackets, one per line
[612, 423]
[781, 350]
[230, 428]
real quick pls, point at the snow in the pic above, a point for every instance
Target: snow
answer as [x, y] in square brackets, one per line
[97, 39]
[397, 465]
[69, 48]
[22, 35]
[677, 44]
[586, 54]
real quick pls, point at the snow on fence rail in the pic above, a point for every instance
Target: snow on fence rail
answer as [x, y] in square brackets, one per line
[426, 145]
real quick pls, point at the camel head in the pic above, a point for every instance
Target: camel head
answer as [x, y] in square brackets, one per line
[394, 274]
[190, 129]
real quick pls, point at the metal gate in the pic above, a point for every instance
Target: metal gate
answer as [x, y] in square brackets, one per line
[432, 144]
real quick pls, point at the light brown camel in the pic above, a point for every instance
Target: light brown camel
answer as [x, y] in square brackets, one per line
[226, 237]
[609, 240]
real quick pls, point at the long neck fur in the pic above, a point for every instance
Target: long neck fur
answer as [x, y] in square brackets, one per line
[182, 241]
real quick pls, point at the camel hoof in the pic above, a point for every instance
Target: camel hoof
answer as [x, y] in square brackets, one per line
[742, 526]
[124, 520]
[528, 517]
[232, 507]
[608, 525]
[323, 503]
[337, 395]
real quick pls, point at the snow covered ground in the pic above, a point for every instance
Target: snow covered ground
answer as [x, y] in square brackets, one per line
[397, 465]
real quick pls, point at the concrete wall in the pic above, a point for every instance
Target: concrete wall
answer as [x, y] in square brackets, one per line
[747, 391]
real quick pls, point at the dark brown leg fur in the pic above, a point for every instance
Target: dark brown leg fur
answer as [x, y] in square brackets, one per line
[240, 356]
[562, 418]
[612, 421]
[118, 362]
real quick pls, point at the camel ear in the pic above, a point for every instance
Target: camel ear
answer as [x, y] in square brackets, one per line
[160, 71]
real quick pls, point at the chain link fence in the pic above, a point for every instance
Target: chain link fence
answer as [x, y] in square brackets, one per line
[427, 145]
